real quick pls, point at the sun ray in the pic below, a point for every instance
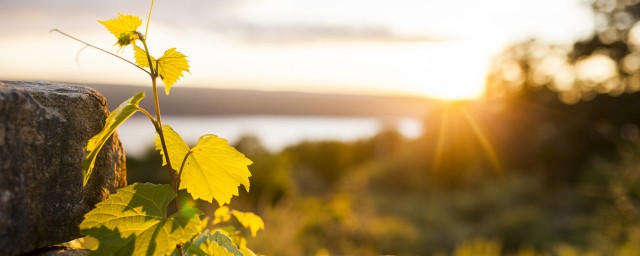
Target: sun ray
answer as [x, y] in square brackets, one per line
[441, 142]
[484, 142]
[460, 139]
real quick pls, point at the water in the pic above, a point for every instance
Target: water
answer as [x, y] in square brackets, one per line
[275, 132]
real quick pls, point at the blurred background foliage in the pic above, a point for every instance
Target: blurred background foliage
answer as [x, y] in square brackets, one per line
[548, 163]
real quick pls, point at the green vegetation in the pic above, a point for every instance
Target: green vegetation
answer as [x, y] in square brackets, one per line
[383, 196]
[569, 184]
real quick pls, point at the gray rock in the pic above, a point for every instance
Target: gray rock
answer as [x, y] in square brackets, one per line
[44, 128]
[58, 251]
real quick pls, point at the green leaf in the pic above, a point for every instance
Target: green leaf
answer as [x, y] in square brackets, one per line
[249, 220]
[193, 247]
[212, 169]
[115, 119]
[221, 244]
[216, 244]
[123, 28]
[134, 221]
[170, 67]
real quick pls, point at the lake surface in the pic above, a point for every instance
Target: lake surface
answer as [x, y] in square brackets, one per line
[275, 132]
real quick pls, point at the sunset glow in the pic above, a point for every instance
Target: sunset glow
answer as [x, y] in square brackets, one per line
[332, 127]
[364, 47]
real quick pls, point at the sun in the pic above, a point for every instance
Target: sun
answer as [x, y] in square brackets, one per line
[455, 91]
[450, 71]
[453, 84]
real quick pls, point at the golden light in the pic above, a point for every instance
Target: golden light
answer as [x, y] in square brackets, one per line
[417, 47]
[466, 87]
[454, 71]
[461, 139]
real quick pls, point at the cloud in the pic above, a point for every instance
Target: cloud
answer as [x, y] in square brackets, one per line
[226, 17]
[32, 17]
[306, 33]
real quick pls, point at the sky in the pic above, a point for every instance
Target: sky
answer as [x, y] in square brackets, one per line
[431, 48]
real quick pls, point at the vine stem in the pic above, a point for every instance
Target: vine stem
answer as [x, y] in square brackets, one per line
[146, 29]
[172, 175]
[175, 179]
[99, 49]
[144, 111]
[156, 101]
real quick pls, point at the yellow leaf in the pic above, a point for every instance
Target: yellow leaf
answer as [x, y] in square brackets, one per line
[141, 57]
[170, 66]
[249, 220]
[246, 251]
[222, 214]
[212, 169]
[215, 249]
[123, 28]
[175, 145]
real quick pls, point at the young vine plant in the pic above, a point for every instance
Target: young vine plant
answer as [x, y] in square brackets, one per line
[135, 220]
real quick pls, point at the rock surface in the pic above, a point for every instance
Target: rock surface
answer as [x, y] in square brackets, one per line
[58, 251]
[44, 128]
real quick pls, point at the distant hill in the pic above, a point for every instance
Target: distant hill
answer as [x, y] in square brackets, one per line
[217, 102]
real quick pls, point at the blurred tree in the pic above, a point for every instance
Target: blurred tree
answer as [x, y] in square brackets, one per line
[270, 180]
[564, 105]
[606, 63]
[138, 168]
